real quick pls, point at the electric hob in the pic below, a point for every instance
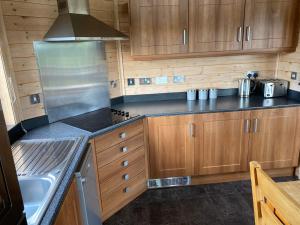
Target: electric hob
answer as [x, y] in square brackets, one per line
[99, 119]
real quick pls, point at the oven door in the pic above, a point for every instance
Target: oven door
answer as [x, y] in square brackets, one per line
[11, 203]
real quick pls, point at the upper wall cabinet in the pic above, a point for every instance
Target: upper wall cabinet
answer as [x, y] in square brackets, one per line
[270, 24]
[178, 28]
[159, 27]
[216, 25]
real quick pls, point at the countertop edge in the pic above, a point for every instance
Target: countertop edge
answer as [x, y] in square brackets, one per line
[58, 198]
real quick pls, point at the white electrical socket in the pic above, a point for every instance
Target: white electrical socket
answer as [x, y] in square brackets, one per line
[161, 80]
[178, 79]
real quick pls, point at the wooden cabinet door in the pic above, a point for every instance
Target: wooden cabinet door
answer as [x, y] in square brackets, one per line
[275, 138]
[158, 27]
[222, 142]
[70, 210]
[270, 24]
[171, 145]
[216, 25]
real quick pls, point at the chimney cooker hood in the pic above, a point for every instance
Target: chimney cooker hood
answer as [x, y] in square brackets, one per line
[75, 24]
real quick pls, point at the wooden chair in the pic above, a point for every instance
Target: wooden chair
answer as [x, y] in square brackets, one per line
[274, 203]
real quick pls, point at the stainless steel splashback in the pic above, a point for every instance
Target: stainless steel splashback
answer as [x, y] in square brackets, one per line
[74, 77]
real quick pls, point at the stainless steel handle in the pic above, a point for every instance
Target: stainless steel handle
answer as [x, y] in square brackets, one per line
[192, 129]
[247, 126]
[124, 149]
[125, 163]
[122, 135]
[126, 177]
[184, 36]
[248, 33]
[126, 190]
[255, 125]
[81, 182]
[239, 34]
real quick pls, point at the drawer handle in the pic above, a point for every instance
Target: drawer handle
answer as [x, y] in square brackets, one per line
[124, 149]
[126, 177]
[125, 163]
[123, 135]
[126, 190]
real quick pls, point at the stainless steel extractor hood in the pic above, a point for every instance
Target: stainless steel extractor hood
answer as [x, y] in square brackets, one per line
[75, 24]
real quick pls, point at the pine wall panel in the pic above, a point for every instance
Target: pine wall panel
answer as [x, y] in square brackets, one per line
[27, 21]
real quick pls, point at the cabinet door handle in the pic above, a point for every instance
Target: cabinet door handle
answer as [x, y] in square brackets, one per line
[239, 34]
[125, 163]
[122, 135]
[124, 149]
[184, 36]
[126, 177]
[247, 126]
[192, 129]
[248, 33]
[126, 190]
[255, 125]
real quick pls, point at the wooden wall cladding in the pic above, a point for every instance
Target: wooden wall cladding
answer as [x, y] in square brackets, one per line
[28, 21]
[288, 63]
[219, 72]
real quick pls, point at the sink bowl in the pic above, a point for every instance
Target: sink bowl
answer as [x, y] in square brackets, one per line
[35, 192]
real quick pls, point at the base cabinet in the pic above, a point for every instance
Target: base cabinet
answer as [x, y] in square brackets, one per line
[122, 166]
[275, 138]
[171, 143]
[70, 210]
[222, 141]
[219, 143]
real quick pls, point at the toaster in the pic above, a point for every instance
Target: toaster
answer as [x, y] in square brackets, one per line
[273, 88]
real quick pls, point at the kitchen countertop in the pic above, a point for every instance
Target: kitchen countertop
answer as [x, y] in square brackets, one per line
[144, 109]
[53, 131]
[222, 104]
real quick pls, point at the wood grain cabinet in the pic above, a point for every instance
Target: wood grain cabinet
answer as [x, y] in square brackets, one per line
[70, 210]
[222, 142]
[171, 144]
[218, 143]
[122, 166]
[174, 28]
[270, 24]
[159, 27]
[275, 138]
[216, 25]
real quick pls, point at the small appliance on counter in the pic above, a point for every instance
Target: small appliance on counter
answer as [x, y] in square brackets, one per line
[247, 86]
[271, 88]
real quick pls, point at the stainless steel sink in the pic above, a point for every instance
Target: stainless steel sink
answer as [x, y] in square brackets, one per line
[40, 166]
[36, 193]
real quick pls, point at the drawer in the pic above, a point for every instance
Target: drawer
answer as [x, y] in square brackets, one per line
[120, 150]
[116, 166]
[115, 200]
[119, 135]
[123, 177]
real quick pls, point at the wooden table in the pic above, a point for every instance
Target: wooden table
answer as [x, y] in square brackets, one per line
[292, 188]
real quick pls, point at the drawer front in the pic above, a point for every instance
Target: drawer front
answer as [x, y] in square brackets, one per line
[120, 164]
[119, 135]
[125, 193]
[120, 150]
[123, 177]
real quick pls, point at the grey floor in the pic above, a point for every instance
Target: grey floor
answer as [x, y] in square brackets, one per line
[212, 204]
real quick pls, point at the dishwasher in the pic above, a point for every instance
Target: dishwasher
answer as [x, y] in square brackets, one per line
[87, 188]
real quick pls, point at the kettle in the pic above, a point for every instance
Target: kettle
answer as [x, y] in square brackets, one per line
[247, 86]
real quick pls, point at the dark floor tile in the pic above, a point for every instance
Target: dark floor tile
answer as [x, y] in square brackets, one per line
[190, 192]
[285, 179]
[233, 209]
[222, 188]
[200, 211]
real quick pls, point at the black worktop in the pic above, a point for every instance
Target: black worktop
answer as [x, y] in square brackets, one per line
[143, 109]
[221, 104]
